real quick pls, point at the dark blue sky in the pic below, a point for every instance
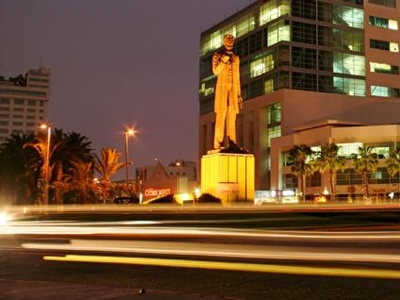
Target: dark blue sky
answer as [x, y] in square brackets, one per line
[116, 63]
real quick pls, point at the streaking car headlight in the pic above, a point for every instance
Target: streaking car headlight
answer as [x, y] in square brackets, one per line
[4, 218]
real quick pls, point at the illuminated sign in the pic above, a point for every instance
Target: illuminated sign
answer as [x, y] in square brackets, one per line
[150, 192]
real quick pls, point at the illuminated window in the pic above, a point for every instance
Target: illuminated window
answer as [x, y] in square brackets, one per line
[384, 45]
[348, 16]
[349, 64]
[261, 65]
[216, 40]
[269, 86]
[382, 152]
[393, 47]
[348, 149]
[278, 32]
[348, 39]
[384, 91]
[349, 86]
[273, 132]
[383, 23]
[274, 113]
[273, 10]
[393, 25]
[207, 88]
[383, 68]
[244, 26]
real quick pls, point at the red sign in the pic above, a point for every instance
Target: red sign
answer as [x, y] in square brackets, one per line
[150, 192]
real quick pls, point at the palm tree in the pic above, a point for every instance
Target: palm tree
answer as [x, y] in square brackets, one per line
[64, 149]
[365, 162]
[40, 145]
[68, 148]
[393, 163]
[19, 169]
[330, 161]
[80, 180]
[300, 156]
[107, 165]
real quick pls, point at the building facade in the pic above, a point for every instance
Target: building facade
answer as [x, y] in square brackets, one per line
[304, 62]
[23, 102]
[382, 139]
[176, 178]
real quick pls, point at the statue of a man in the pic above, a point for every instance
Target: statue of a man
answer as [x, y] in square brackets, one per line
[228, 100]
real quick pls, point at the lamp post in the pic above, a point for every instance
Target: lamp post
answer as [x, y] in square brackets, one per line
[128, 132]
[47, 163]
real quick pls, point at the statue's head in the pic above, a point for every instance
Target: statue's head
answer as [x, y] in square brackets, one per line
[228, 41]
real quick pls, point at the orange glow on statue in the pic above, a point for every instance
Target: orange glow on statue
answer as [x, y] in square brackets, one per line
[228, 100]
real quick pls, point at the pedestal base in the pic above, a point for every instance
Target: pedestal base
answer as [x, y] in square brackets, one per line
[228, 176]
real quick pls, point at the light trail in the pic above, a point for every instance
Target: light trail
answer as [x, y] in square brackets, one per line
[218, 250]
[115, 228]
[231, 266]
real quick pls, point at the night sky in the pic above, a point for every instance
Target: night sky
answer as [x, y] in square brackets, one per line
[115, 64]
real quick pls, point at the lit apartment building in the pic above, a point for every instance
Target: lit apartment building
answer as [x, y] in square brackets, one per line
[304, 62]
[23, 102]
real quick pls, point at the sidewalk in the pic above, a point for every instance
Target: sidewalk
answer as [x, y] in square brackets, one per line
[41, 290]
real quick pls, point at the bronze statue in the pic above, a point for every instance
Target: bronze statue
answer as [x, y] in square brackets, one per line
[228, 100]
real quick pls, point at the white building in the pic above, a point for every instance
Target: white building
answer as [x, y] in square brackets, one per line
[24, 102]
[348, 136]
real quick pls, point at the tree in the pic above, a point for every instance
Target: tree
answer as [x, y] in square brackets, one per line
[300, 156]
[107, 165]
[80, 180]
[44, 151]
[67, 149]
[64, 149]
[365, 162]
[19, 169]
[330, 161]
[393, 163]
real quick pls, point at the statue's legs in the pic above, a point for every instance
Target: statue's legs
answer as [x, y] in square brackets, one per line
[219, 129]
[231, 124]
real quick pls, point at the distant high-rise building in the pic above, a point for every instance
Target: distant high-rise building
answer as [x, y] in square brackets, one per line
[23, 102]
[304, 62]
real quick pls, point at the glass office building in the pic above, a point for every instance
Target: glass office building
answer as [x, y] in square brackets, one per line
[304, 61]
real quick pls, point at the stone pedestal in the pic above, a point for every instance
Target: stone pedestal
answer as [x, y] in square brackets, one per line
[228, 176]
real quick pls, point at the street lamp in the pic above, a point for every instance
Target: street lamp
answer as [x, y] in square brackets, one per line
[47, 163]
[128, 132]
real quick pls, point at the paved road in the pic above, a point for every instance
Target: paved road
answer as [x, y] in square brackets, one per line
[43, 281]
[24, 274]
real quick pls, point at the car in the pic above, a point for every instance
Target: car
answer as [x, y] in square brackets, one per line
[126, 200]
[319, 199]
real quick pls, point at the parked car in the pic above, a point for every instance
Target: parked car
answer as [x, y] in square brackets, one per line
[126, 200]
